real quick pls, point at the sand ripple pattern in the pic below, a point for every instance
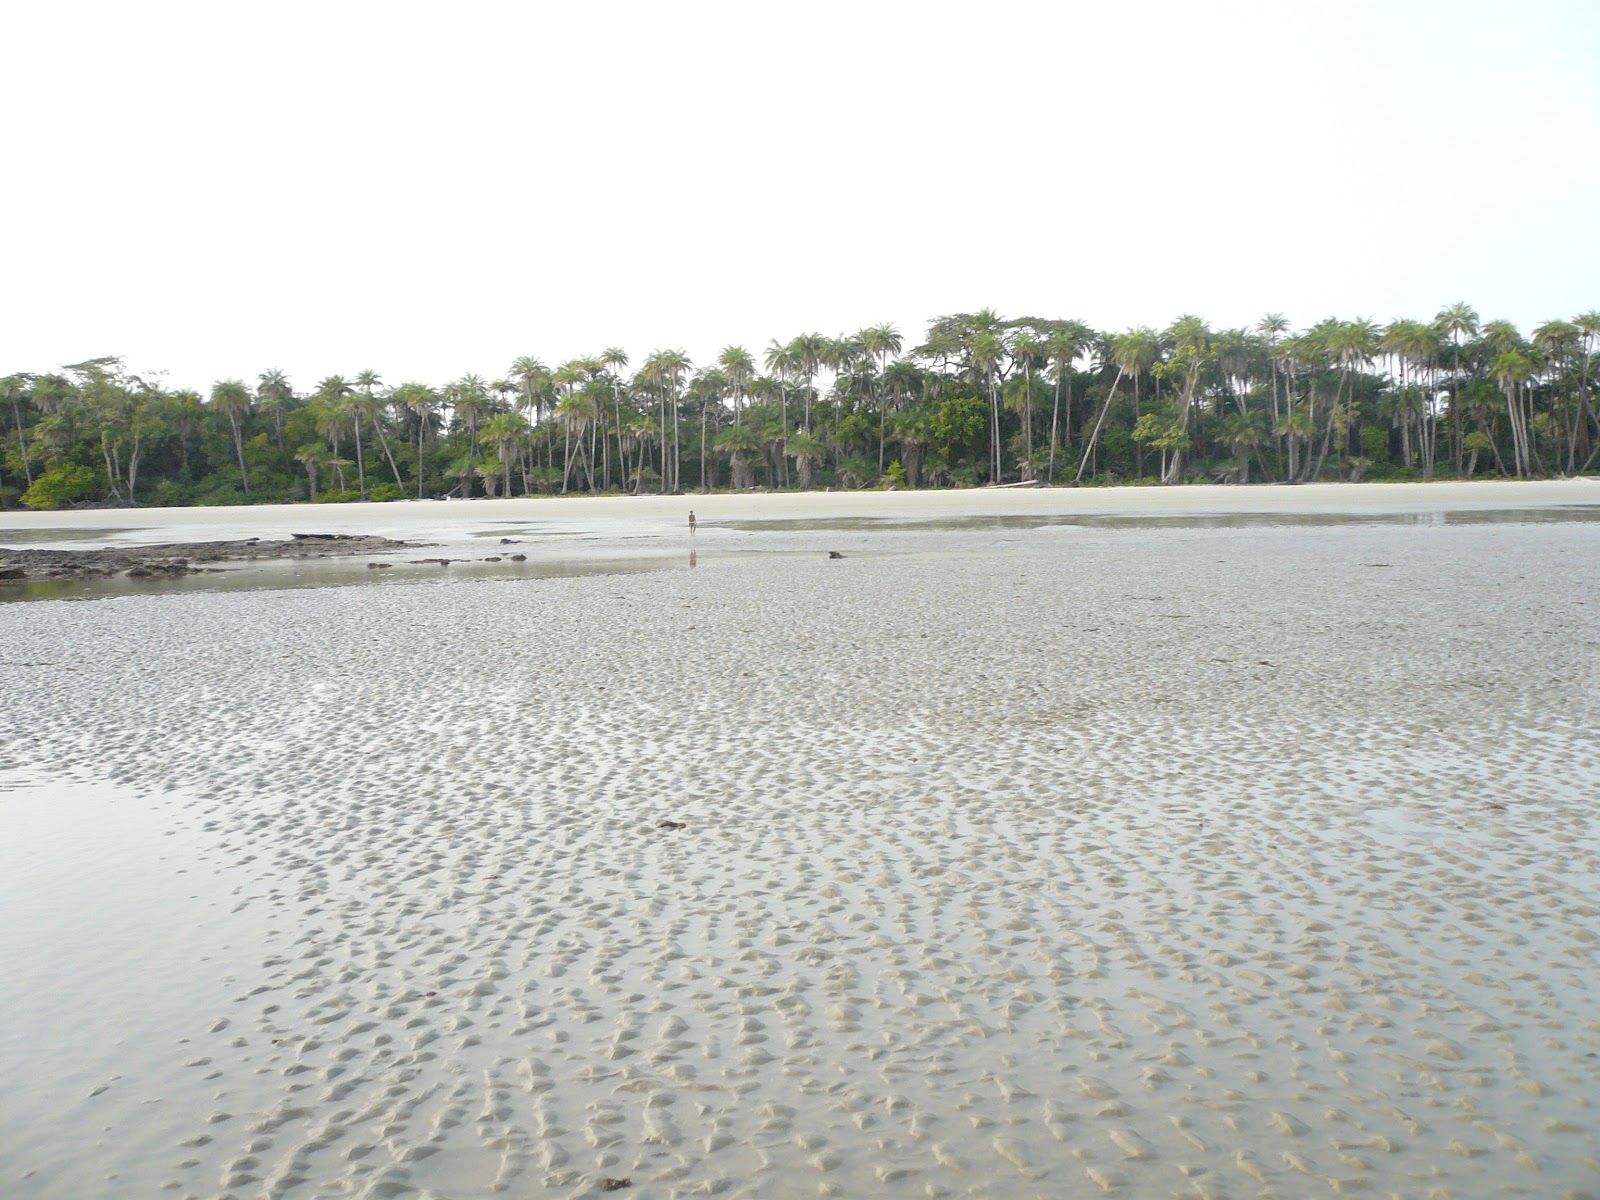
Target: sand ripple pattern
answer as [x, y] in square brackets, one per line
[1195, 864]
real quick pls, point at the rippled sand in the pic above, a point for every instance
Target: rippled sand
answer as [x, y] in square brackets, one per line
[1013, 863]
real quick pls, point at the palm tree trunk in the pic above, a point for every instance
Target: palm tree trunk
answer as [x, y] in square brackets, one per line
[22, 442]
[1055, 424]
[238, 446]
[1094, 435]
[384, 441]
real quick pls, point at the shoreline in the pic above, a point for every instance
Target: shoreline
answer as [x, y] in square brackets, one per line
[370, 517]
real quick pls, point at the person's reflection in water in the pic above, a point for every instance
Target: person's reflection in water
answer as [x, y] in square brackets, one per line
[693, 562]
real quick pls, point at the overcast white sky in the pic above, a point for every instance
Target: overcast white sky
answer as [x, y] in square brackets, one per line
[431, 189]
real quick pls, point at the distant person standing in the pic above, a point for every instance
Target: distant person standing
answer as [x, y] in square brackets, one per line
[693, 524]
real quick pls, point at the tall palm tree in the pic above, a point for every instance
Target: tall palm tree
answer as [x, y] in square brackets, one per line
[1191, 348]
[505, 431]
[1560, 344]
[469, 406]
[372, 408]
[807, 451]
[1027, 348]
[807, 352]
[738, 369]
[232, 399]
[339, 396]
[1271, 329]
[1352, 345]
[15, 387]
[613, 359]
[311, 456]
[986, 349]
[1064, 343]
[708, 389]
[669, 368]
[1588, 325]
[880, 341]
[1457, 322]
[422, 402]
[274, 394]
[783, 367]
[1512, 369]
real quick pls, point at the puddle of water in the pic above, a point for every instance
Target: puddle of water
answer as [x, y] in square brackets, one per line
[119, 942]
[274, 576]
[1555, 514]
[16, 539]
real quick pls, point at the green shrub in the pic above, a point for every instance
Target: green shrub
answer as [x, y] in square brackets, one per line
[387, 491]
[67, 484]
[1375, 445]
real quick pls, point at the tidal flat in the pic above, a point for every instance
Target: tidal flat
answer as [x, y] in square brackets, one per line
[1156, 842]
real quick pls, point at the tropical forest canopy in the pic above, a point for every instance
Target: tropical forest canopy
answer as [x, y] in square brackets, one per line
[981, 400]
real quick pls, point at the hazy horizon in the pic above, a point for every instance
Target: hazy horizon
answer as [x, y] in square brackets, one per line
[214, 192]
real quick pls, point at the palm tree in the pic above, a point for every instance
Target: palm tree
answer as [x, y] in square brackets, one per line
[311, 456]
[1559, 344]
[880, 341]
[506, 431]
[806, 353]
[1191, 348]
[422, 402]
[1271, 330]
[15, 386]
[530, 375]
[469, 405]
[274, 395]
[708, 389]
[1133, 353]
[807, 451]
[1456, 322]
[1512, 369]
[665, 370]
[782, 366]
[340, 397]
[1352, 345]
[913, 431]
[1026, 348]
[1065, 341]
[1588, 325]
[739, 369]
[737, 443]
[985, 350]
[232, 399]
[612, 360]
[370, 407]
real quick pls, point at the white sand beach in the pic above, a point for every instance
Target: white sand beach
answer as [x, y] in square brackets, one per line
[1149, 842]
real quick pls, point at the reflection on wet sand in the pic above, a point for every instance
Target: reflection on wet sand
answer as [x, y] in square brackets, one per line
[1258, 520]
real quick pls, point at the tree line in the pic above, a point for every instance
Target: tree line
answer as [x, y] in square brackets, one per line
[982, 400]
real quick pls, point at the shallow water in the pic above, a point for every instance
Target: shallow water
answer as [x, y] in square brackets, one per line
[283, 575]
[1244, 520]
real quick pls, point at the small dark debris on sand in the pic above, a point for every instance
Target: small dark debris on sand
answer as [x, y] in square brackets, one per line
[508, 541]
[519, 558]
[834, 554]
[180, 558]
[672, 826]
[608, 1184]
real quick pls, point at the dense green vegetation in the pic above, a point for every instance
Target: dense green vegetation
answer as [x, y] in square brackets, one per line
[982, 400]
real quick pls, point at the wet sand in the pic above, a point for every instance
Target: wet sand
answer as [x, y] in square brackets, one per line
[1024, 860]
